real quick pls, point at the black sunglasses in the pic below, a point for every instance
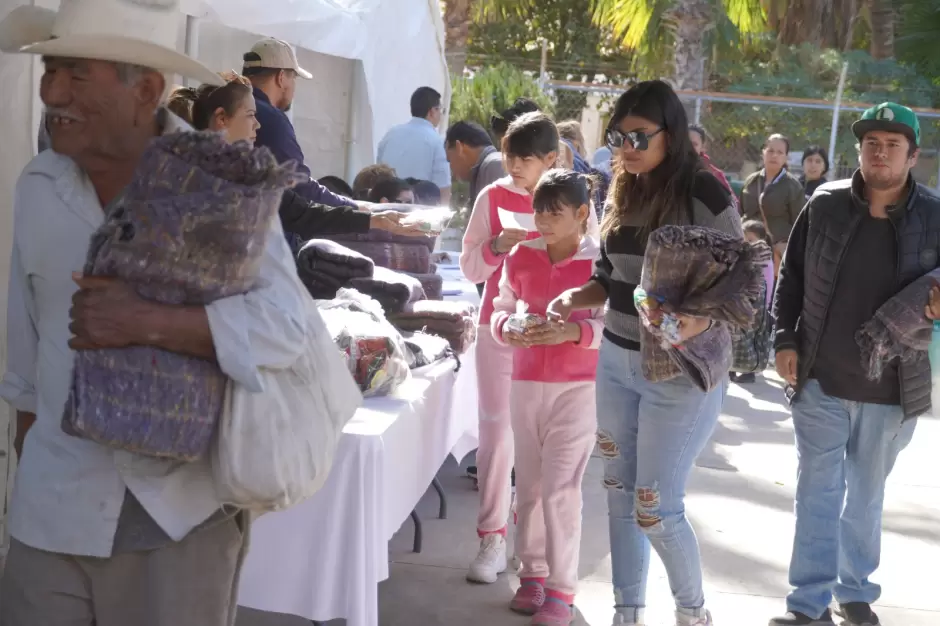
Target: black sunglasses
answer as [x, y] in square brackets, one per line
[638, 140]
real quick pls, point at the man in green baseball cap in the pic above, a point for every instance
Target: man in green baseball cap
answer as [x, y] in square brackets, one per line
[855, 246]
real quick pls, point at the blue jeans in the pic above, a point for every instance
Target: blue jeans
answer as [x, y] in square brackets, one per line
[846, 451]
[649, 435]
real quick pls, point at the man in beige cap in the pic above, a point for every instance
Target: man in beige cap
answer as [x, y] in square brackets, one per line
[99, 535]
[271, 66]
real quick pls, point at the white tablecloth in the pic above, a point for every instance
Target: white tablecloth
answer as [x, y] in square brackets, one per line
[324, 558]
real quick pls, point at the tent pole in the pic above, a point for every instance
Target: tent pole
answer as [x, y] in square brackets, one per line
[192, 43]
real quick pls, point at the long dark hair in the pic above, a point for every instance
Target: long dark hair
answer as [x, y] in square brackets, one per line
[667, 189]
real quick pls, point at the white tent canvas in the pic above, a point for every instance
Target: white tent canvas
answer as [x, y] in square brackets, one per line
[367, 56]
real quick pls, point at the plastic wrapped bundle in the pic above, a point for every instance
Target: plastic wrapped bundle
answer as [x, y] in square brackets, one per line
[191, 229]
[375, 351]
[522, 323]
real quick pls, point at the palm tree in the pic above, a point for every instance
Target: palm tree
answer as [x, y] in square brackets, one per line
[686, 24]
[460, 14]
[822, 23]
[882, 16]
[917, 35]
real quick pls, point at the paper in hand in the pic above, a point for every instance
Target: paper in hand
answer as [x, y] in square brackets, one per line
[517, 221]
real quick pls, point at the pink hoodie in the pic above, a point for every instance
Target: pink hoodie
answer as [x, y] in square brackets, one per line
[477, 260]
[530, 277]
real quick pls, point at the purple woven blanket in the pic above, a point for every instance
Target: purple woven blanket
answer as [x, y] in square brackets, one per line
[190, 229]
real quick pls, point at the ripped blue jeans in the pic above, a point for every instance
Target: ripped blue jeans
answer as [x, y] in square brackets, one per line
[649, 435]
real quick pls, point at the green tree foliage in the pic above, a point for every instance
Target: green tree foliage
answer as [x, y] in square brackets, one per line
[492, 90]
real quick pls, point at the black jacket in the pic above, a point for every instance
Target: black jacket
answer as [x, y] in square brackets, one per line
[813, 260]
[309, 220]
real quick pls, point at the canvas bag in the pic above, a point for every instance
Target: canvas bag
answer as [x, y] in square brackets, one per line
[274, 449]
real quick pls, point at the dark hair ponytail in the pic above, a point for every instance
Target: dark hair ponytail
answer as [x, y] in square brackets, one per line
[197, 106]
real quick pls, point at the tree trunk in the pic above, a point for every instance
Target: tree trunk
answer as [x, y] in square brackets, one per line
[457, 20]
[690, 20]
[882, 17]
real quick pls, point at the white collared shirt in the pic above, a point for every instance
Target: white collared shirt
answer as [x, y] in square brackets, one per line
[69, 491]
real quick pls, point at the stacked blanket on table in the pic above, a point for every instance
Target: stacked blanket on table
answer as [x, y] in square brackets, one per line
[700, 272]
[451, 320]
[432, 283]
[396, 252]
[325, 266]
[190, 229]
[393, 290]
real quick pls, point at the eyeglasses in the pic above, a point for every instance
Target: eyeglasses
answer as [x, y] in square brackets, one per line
[638, 140]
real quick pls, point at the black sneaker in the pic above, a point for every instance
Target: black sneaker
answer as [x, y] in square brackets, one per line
[743, 379]
[472, 472]
[857, 614]
[795, 618]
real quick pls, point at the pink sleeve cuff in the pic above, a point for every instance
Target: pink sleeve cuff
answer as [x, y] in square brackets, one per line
[496, 326]
[590, 334]
[490, 257]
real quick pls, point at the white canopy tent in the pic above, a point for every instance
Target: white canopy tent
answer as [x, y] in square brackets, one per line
[366, 56]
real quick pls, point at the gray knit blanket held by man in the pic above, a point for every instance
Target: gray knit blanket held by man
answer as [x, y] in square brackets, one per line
[899, 329]
[190, 229]
[701, 272]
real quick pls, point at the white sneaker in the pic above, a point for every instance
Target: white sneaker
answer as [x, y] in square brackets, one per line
[687, 620]
[490, 561]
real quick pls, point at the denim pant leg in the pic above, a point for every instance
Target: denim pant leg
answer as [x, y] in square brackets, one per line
[617, 409]
[676, 420]
[879, 433]
[822, 425]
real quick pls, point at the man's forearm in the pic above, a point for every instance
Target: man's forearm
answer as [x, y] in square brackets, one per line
[24, 421]
[180, 329]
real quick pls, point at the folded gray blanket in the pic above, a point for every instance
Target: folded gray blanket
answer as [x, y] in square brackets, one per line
[190, 229]
[393, 290]
[899, 328]
[324, 266]
[701, 272]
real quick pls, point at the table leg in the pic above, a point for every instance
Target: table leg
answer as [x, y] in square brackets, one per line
[439, 488]
[419, 536]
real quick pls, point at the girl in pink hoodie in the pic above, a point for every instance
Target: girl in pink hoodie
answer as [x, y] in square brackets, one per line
[530, 148]
[552, 401]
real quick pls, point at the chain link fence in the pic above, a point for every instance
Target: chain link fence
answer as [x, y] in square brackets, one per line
[738, 124]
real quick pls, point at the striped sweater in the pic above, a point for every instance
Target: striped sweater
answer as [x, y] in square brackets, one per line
[619, 265]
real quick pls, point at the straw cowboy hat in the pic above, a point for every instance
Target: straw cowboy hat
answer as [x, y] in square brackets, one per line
[140, 32]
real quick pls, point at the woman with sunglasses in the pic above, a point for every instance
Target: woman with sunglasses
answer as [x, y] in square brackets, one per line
[773, 196]
[649, 434]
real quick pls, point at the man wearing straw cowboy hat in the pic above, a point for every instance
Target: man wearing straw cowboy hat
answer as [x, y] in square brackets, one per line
[102, 536]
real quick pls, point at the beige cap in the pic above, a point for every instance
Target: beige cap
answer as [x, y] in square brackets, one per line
[276, 55]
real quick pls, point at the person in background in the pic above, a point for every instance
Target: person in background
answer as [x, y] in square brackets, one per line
[426, 192]
[755, 231]
[475, 160]
[773, 196]
[105, 536]
[367, 177]
[414, 149]
[815, 168]
[232, 110]
[271, 66]
[499, 124]
[699, 139]
[603, 161]
[530, 149]
[553, 417]
[857, 244]
[392, 190]
[571, 133]
[337, 185]
[649, 433]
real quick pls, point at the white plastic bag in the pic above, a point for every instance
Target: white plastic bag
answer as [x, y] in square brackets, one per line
[274, 449]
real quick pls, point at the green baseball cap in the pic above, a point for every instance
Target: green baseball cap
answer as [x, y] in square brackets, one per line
[890, 117]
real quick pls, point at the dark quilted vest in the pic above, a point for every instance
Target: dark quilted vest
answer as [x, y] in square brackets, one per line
[833, 219]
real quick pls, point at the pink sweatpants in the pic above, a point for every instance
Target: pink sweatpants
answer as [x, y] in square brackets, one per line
[554, 426]
[494, 454]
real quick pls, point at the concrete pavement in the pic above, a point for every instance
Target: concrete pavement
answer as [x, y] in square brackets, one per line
[740, 502]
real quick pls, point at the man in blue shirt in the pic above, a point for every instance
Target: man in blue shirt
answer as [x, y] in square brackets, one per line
[415, 149]
[271, 66]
